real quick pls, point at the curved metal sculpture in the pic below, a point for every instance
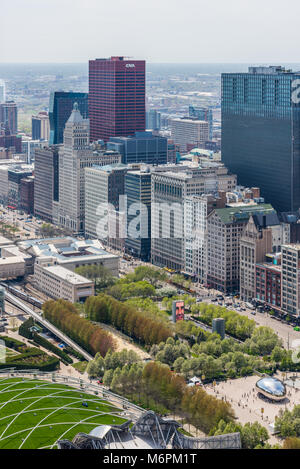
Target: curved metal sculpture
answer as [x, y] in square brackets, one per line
[149, 430]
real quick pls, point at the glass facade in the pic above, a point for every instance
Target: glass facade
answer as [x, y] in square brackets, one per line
[261, 133]
[60, 108]
[143, 147]
[116, 97]
[138, 190]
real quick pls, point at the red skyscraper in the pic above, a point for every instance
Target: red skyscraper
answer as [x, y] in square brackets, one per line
[116, 97]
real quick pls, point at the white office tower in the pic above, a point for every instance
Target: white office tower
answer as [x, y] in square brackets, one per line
[196, 209]
[75, 155]
[2, 91]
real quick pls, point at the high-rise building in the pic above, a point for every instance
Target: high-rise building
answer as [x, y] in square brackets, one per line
[290, 279]
[255, 243]
[138, 192]
[40, 126]
[224, 230]
[104, 185]
[261, 132]
[170, 188]
[188, 132]
[143, 147]
[75, 155]
[196, 210]
[9, 116]
[116, 97]
[60, 108]
[153, 120]
[203, 114]
[46, 171]
[2, 91]
[27, 194]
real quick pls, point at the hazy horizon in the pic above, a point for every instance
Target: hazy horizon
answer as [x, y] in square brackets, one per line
[160, 31]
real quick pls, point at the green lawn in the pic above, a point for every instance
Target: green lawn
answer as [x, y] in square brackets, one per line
[35, 414]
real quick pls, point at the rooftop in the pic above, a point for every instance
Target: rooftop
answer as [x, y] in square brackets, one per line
[234, 214]
[67, 275]
[65, 249]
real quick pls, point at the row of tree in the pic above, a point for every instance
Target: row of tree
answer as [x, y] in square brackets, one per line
[235, 324]
[141, 326]
[155, 385]
[91, 337]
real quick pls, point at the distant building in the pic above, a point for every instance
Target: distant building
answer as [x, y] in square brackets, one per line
[9, 116]
[29, 147]
[60, 108]
[203, 114]
[143, 147]
[187, 131]
[2, 92]
[9, 141]
[40, 127]
[153, 120]
[116, 97]
[173, 152]
[27, 194]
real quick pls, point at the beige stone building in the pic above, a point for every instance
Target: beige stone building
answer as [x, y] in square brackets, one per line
[58, 282]
[256, 242]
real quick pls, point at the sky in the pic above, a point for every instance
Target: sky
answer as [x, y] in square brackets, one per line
[174, 31]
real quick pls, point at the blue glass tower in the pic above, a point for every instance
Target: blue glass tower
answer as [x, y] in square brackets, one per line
[143, 147]
[261, 132]
[60, 108]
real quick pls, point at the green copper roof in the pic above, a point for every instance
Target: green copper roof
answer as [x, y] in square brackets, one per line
[235, 214]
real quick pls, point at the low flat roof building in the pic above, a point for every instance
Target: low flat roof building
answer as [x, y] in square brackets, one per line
[58, 282]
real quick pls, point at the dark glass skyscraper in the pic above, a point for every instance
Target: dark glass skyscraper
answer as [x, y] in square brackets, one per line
[60, 108]
[138, 191]
[116, 97]
[143, 147]
[261, 132]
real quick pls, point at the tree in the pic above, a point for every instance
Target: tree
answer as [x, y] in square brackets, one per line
[253, 435]
[101, 276]
[291, 443]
